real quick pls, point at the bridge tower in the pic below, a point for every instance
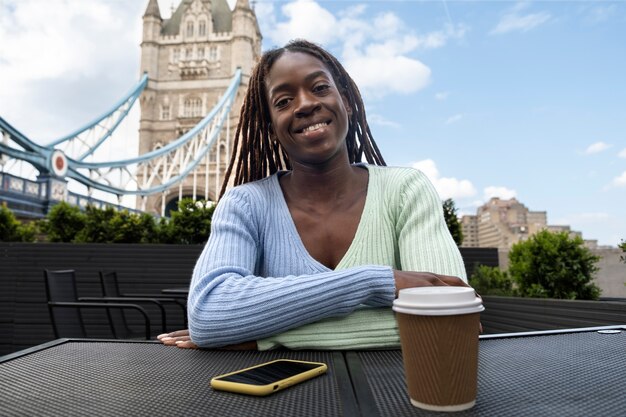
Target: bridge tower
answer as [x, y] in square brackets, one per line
[190, 59]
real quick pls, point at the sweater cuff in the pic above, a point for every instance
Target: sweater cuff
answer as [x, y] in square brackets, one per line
[367, 328]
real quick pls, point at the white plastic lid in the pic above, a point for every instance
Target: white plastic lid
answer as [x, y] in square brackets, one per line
[438, 301]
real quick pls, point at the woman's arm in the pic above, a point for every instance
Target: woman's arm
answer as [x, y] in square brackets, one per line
[424, 241]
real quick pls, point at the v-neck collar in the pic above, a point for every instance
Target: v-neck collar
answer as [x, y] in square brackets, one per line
[282, 205]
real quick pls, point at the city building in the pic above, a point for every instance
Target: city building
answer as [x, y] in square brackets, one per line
[190, 60]
[502, 223]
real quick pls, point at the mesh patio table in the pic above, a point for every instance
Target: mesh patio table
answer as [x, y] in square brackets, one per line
[580, 372]
[113, 378]
[577, 372]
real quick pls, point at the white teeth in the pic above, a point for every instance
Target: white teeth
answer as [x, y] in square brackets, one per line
[314, 127]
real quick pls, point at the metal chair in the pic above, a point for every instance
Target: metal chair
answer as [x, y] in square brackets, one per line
[65, 306]
[111, 291]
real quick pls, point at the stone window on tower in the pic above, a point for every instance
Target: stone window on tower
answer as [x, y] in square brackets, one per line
[175, 55]
[192, 107]
[189, 29]
[201, 53]
[165, 112]
[213, 55]
[188, 54]
[202, 28]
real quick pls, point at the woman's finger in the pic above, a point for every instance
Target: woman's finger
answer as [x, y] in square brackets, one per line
[186, 344]
[177, 333]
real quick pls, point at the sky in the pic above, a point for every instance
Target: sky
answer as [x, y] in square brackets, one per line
[523, 99]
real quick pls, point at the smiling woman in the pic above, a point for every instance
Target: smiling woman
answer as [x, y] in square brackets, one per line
[311, 246]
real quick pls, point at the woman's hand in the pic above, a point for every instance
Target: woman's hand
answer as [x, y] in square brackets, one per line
[182, 340]
[410, 279]
[179, 338]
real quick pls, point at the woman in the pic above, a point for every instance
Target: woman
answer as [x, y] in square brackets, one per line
[311, 247]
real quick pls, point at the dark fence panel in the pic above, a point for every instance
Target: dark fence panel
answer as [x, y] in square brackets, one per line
[7, 299]
[472, 257]
[25, 322]
[24, 317]
[515, 314]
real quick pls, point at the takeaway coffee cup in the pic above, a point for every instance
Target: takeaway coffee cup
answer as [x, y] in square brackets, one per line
[439, 328]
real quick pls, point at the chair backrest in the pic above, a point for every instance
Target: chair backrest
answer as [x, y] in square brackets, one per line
[110, 287]
[61, 287]
[117, 318]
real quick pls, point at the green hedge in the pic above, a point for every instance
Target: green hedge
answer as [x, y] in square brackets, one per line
[191, 224]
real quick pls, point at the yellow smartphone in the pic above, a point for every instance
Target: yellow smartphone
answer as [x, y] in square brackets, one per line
[269, 377]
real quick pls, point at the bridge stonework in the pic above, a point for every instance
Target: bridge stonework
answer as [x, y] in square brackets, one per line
[190, 59]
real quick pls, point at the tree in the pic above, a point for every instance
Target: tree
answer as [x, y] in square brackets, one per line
[190, 224]
[622, 246]
[63, 222]
[449, 213]
[133, 228]
[99, 226]
[554, 265]
[489, 280]
[12, 230]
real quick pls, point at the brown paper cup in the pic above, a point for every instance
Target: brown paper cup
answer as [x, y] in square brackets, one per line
[440, 355]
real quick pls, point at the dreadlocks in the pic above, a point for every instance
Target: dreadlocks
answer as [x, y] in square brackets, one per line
[256, 155]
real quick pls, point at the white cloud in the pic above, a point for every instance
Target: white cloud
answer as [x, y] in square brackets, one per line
[595, 15]
[58, 55]
[381, 74]
[619, 181]
[597, 147]
[305, 19]
[446, 187]
[454, 119]
[515, 21]
[441, 96]
[377, 119]
[500, 192]
[622, 153]
[376, 51]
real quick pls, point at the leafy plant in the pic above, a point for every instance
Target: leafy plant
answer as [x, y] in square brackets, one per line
[449, 213]
[99, 226]
[133, 228]
[63, 222]
[622, 246]
[190, 224]
[489, 280]
[554, 265]
[12, 230]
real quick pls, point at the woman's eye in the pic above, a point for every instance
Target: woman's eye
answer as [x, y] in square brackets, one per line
[321, 88]
[282, 102]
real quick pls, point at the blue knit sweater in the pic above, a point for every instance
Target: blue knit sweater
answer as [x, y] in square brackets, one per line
[255, 279]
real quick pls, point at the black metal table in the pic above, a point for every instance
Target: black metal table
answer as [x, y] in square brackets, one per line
[112, 378]
[579, 372]
[570, 373]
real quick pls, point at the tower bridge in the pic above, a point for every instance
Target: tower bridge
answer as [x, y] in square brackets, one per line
[194, 68]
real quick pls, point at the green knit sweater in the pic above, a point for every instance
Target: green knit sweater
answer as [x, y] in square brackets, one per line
[402, 227]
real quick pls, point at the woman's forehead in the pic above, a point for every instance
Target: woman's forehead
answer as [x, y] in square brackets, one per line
[295, 65]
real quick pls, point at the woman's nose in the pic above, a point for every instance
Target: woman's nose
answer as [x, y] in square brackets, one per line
[306, 103]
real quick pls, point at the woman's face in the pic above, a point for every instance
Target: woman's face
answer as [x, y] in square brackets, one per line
[309, 115]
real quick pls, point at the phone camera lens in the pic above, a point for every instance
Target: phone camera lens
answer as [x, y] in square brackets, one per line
[275, 387]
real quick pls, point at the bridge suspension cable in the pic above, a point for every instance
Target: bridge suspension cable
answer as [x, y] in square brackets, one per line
[154, 172]
[161, 168]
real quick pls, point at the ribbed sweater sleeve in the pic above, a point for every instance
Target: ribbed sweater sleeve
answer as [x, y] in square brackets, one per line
[230, 301]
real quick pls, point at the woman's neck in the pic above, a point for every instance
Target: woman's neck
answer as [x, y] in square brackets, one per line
[328, 184]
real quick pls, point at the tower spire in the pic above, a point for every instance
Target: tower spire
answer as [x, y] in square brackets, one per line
[153, 9]
[244, 4]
